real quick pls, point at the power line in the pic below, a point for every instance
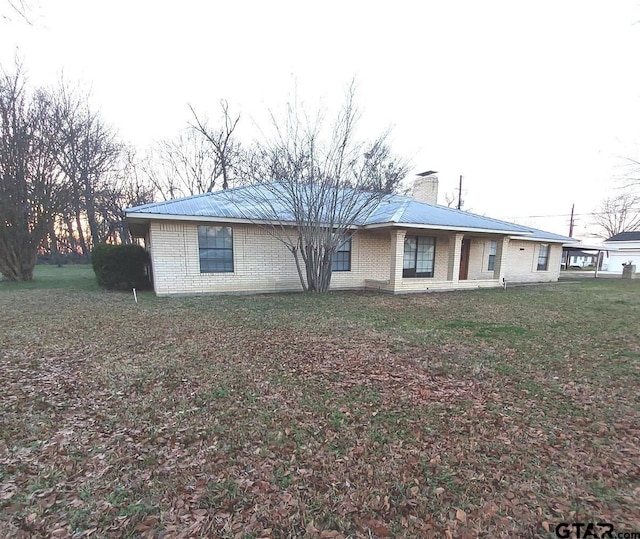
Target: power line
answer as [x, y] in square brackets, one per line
[587, 214]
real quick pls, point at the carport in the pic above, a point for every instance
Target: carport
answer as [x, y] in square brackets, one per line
[597, 250]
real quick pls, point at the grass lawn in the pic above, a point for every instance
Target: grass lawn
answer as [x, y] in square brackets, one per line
[472, 414]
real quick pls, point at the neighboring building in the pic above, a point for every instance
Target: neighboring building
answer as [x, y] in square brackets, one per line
[626, 248]
[581, 259]
[214, 243]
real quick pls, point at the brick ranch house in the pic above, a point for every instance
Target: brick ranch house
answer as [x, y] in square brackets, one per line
[210, 243]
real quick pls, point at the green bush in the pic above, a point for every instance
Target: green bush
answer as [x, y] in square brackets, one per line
[120, 267]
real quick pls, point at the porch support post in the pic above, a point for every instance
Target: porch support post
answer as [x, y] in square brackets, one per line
[455, 248]
[501, 259]
[397, 254]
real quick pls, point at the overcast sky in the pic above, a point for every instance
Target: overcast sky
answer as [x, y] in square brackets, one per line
[535, 103]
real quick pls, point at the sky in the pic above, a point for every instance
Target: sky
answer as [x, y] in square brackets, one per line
[535, 103]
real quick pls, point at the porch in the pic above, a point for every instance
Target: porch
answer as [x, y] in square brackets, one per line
[422, 260]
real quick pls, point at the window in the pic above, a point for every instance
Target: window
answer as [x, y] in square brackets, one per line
[493, 249]
[543, 257]
[215, 244]
[419, 256]
[341, 260]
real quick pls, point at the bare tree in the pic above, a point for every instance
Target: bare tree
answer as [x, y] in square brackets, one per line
[16, 7]
[222, 140]
[312, 188]
[186, 165]
[618, 214]
[126, 188]
[451, 199]
[30, 184]
[631, 178]
[196, 160]
[87, 152]
[383, 170]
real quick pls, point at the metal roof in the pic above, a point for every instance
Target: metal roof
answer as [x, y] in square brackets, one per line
[548, 236]
[264, 202]
[579, 246]
[402, 210]
[626, 236]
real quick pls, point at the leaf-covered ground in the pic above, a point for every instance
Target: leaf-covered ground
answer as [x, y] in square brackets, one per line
[474, 414]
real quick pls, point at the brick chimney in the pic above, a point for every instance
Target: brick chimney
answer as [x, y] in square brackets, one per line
[425, 187]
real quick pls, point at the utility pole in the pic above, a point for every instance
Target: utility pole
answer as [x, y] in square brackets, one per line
[460, 193]
[571, 221]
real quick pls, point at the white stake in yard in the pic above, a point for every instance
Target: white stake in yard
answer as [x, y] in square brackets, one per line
[135, 296]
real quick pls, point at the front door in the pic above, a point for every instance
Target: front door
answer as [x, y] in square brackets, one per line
[464, 259]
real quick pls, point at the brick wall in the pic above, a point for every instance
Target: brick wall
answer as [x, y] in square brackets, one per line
[522, 262]
[261, 262]
[479, 259]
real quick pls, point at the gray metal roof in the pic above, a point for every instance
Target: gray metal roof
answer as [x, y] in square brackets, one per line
[633, 235]
[265, 202]
[579, 246]
[401, 210]
[549, 236]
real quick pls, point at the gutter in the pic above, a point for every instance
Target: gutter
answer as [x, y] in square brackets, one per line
[445, 227]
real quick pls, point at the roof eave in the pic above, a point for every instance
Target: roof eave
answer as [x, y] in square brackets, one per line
[541, 240]
[446, 227]
[135, 216]
[138, 217]
[586, 247]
